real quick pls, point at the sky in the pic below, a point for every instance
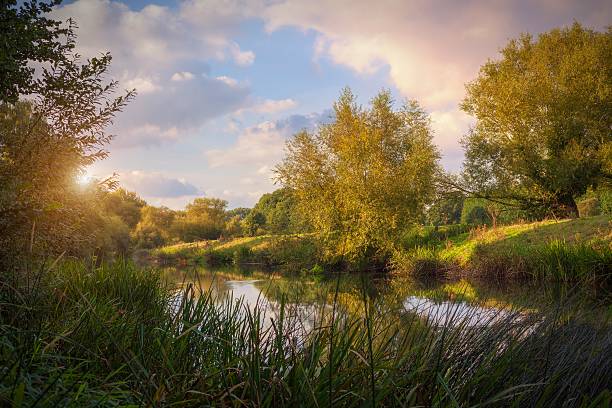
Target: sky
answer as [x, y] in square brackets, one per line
[222, 84]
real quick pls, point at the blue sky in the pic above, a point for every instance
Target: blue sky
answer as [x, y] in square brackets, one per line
[222, 84]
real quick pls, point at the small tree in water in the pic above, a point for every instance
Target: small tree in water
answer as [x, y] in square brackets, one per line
[364, 178]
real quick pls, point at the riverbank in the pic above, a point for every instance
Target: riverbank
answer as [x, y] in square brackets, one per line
[297, 253]
[119, 335]
[565, 250]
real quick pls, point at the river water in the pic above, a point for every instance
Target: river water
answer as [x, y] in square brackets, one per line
[437, 302]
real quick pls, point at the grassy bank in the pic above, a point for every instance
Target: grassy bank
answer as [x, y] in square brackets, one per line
[293, 252]
[116, 335]
[566, 250]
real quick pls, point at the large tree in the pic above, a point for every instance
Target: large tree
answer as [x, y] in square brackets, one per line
[363, 178]
[54, 113]
[543, 130]
[28, 37]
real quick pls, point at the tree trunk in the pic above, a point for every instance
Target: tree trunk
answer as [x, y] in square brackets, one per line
[567, 207]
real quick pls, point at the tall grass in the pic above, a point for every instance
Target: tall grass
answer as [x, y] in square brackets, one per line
[117, 335]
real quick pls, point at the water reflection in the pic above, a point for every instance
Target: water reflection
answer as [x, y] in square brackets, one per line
[448, 312]
[305, 300]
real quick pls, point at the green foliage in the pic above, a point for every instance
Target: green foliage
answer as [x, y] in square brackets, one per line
[154, 227]
[446, 210]
[362, 179]
[233, 227]
[275, 213]
[572, 251]
[254, 223]
[204, 218]
[29, 36]
[428, 236]
[543, 132]
[117, 335]
[46, 141]
[605, 201]
[124, 204]
[596, 202]
[475, 212]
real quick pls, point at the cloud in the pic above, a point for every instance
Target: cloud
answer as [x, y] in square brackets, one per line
[157, 185]
[154, 37]
[428, 49]
[227, 80]
[247, 164]
[142, 85]
[261, 146]
[181, 76]
[431, 48]
[242, 58]
[274, 106]
[151, 48]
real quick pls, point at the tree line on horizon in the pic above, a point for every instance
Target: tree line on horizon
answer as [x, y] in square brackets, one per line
[541, 147]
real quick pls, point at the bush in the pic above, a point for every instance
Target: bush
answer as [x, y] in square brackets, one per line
[294, 253]
[556, 260]
[419, 261]
[241, 255]
[474, 212]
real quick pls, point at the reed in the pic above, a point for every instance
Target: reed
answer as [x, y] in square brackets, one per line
[116, 335]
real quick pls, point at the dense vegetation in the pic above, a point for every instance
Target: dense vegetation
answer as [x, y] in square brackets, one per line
[82, 326]
[116, 335]
[543, 111]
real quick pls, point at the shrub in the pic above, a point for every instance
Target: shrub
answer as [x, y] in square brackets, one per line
[419, 261]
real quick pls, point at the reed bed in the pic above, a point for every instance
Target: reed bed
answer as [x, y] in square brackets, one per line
[118, 335]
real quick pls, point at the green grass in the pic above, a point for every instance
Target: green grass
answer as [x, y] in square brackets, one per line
[115, 335]
[566, 250]
[296, 253]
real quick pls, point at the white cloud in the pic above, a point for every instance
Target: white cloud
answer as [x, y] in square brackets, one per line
[242, 58]
[150, 48]
[274, 106]
[157, 185]
[430, 49]
[146, 135]
[154, 37]
[182, 76]
[179, 111]
[227, 80]
[142, 85]
[261, 146]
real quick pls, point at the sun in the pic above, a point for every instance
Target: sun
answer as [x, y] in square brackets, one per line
[83, 179]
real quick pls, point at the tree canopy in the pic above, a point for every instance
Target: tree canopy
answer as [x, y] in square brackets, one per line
[363, 178]
[53, 123]
[543, 130]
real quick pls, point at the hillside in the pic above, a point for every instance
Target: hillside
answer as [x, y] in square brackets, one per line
[567, 249]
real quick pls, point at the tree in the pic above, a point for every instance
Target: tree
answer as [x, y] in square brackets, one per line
[240, 212]
[28, 36]
[280, 213]
[124, 204]
[446, 209]
[543, 111]
[254, 223]
[364, 178]
[154, 227]
[202, 219]
[46, 141]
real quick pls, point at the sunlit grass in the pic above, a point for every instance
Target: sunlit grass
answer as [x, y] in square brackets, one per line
[566, 250]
